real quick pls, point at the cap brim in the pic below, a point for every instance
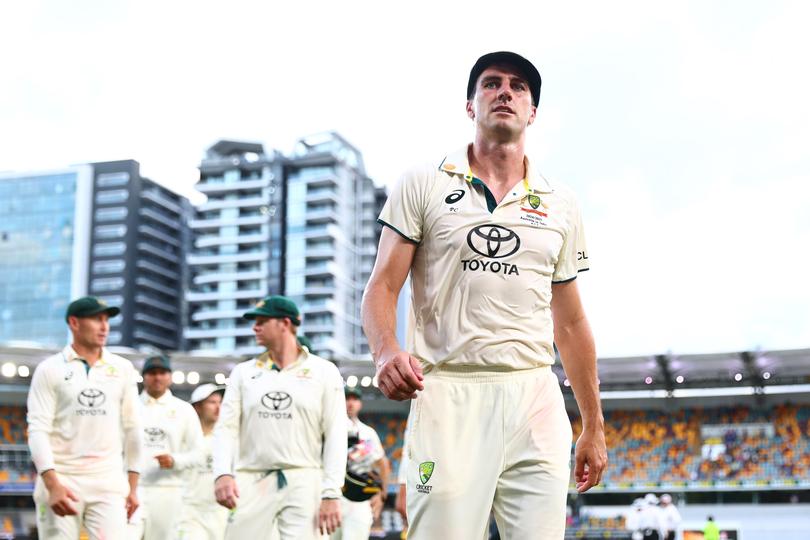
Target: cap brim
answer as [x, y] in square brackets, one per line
[511, 59]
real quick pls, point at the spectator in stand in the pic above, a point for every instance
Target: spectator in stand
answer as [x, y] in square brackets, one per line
[672, 518]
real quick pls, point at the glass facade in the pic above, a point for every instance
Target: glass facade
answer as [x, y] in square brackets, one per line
[36, 255]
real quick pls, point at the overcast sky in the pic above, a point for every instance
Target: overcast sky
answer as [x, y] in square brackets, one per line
[684, 127]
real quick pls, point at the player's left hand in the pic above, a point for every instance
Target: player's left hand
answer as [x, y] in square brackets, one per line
[132, 503]
[329, 516]
[165, 461]
[590, 459]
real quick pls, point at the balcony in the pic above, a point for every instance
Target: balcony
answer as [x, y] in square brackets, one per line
[224, 187]
[326, 215]
[248, 256]
[158, 235]
[160, 218]
[158, 198]
[322, 269]
[319, 290]
[322, 232]
[323, 327]
[216, 240]
[216, 277]
[216, 314]
[246, 202]
[161, 341]
[152, 267]
[207, 333]
[323, 196]
[154, 321]
[159, 252]
[318, 179]
[216, 223]
[244, 294]
[157, 304]
[155, 286]
[313, 307]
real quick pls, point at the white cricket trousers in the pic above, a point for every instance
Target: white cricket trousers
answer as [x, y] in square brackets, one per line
[356, 520]
[158, 515]
[198, 522]
[263, 504]
[481, 440]
[101, 508]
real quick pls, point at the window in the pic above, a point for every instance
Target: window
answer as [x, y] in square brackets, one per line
[108, 267]
[109, 248]
[111, 214]
[112, 196]
[111, 231]
[112, 179]
[107, 284]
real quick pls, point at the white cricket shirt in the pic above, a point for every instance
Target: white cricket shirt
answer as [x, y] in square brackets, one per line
[293, 418]
[82, 419]
[170, 426]
[482, 272]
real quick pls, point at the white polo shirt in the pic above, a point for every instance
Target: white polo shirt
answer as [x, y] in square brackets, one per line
[367, 451]
[170, 426]
[82, 419]
[200, 488]
[482, 273]
[293, 418]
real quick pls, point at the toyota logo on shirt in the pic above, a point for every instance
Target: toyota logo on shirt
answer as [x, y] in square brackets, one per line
[92, 398]
[493, 241]
[154, 435]
[277, 401]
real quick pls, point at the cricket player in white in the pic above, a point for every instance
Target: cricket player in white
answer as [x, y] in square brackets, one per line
[366, 455]
[672, 518]
[173, 446]
[202, 517]
[84, 432]
[493, 249]
[287, 411]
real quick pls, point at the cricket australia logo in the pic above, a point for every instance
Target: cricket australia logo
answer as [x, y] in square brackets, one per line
[276, 403]
[92, 399]
[492, 242]
[425, 472]
[154, 436]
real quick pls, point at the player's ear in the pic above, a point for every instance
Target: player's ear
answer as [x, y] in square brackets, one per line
[532, 116]
[470, 111]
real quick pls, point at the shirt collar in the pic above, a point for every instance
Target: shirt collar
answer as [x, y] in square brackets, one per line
[457, 163]
[265, 362]
[146, 398]
[70, 355]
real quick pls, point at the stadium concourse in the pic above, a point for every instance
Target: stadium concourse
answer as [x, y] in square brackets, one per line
[726, 435]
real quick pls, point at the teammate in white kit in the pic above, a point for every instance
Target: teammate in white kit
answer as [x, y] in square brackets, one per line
[173, 446]
[287, 412]
[202, 517]
[493, 249]
[672, 518]
[84, 432]
[366, 458]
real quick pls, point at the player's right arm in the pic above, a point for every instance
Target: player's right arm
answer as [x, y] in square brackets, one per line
[399, 374]
[226, 432]
[41, 412]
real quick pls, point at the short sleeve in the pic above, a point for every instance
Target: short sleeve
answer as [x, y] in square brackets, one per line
[573, 257]
[404, 211]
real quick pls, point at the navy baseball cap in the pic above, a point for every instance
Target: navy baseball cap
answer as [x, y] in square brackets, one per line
[87, 306]
[157, 361]
[510, 59]
[276, 306]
